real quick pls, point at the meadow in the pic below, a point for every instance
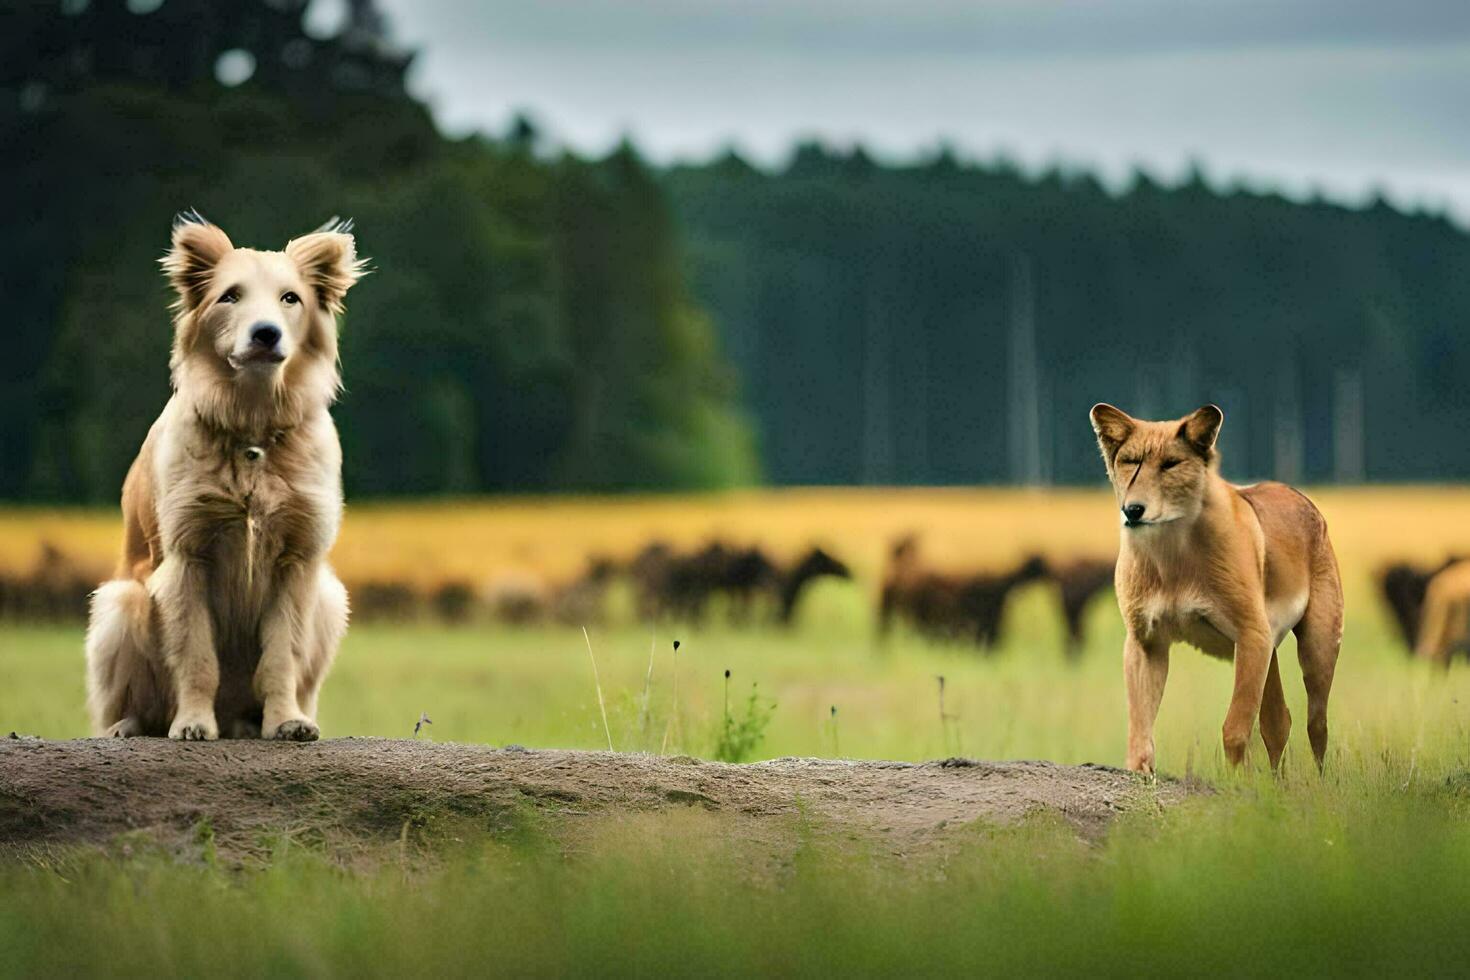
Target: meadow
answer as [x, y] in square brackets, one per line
[1361, 870]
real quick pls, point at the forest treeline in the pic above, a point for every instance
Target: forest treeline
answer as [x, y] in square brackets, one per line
[946, 323]
[540, 321]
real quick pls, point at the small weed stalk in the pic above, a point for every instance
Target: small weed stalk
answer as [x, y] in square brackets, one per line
[597, 682]
[644, 720]
[739, 738]
[945, 720]
[836, 745]
[674, 711]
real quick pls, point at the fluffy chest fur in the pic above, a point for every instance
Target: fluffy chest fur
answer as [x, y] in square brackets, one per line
[1170, 589]
[247, 504]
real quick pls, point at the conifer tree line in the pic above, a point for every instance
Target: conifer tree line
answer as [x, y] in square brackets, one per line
[946, 323]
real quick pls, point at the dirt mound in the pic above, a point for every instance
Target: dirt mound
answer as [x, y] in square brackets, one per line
[361, 790]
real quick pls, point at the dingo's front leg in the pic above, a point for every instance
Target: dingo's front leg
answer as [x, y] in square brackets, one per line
[1146, 668]
[179, 588]
[282, 633]
[1253, 651]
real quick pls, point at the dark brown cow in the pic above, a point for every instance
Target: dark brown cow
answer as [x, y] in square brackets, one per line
[1078, 582]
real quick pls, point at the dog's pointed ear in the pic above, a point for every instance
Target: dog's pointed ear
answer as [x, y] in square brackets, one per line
[328, 260]
[1202, 428]
[1113, 427]
[197, 248]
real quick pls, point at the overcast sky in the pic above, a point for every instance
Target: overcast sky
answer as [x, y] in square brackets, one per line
[1339, 95]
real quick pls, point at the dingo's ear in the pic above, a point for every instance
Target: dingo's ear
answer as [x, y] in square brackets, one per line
[1113, 426]
[197, 248]
[1202, 428]
[328, 259]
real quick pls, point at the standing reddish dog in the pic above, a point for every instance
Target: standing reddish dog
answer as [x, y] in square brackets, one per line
[1230, 570]
[224, 615]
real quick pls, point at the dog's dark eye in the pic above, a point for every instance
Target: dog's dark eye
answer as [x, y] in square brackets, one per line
[231, 295]
[290, 299]
[1169, 464]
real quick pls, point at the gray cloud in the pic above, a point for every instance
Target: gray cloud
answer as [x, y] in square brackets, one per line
[1344, 96]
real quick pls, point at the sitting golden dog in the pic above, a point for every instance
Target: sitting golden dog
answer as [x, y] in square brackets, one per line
[1230, 570]
[224, 615]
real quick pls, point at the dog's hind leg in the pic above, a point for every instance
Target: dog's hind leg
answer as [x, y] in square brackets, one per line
[128, 692]
[1275, 718]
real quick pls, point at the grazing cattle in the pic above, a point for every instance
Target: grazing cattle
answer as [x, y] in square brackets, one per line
[692, 580]
[649, 572]
[516, 597]
[1404, 586]
[934, 605]
[815, 564]
[983, 599]
[1077, 583]
[747, 574]
[383, 600]
[55, 590]
[949, 606]
[1444, 627]
[928, 601]
[900, 583]
[454, 602]
[682, 586]
[583, 601]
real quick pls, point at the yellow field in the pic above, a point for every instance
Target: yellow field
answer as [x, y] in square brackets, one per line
[425, 543]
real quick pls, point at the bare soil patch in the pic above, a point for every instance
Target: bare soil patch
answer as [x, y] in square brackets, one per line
[362, 791]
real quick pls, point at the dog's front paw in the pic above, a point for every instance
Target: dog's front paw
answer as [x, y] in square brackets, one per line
[196, 728]
[296, 730]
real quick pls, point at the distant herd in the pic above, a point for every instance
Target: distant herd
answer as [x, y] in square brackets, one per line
[1429, 603]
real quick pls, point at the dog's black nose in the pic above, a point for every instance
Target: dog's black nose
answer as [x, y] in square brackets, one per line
[1134, 513]
[265, 335]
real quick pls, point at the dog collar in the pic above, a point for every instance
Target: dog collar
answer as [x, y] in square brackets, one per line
[253, 451]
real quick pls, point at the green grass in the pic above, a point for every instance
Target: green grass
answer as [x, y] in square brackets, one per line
[1265, 880]
[1363, 871]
